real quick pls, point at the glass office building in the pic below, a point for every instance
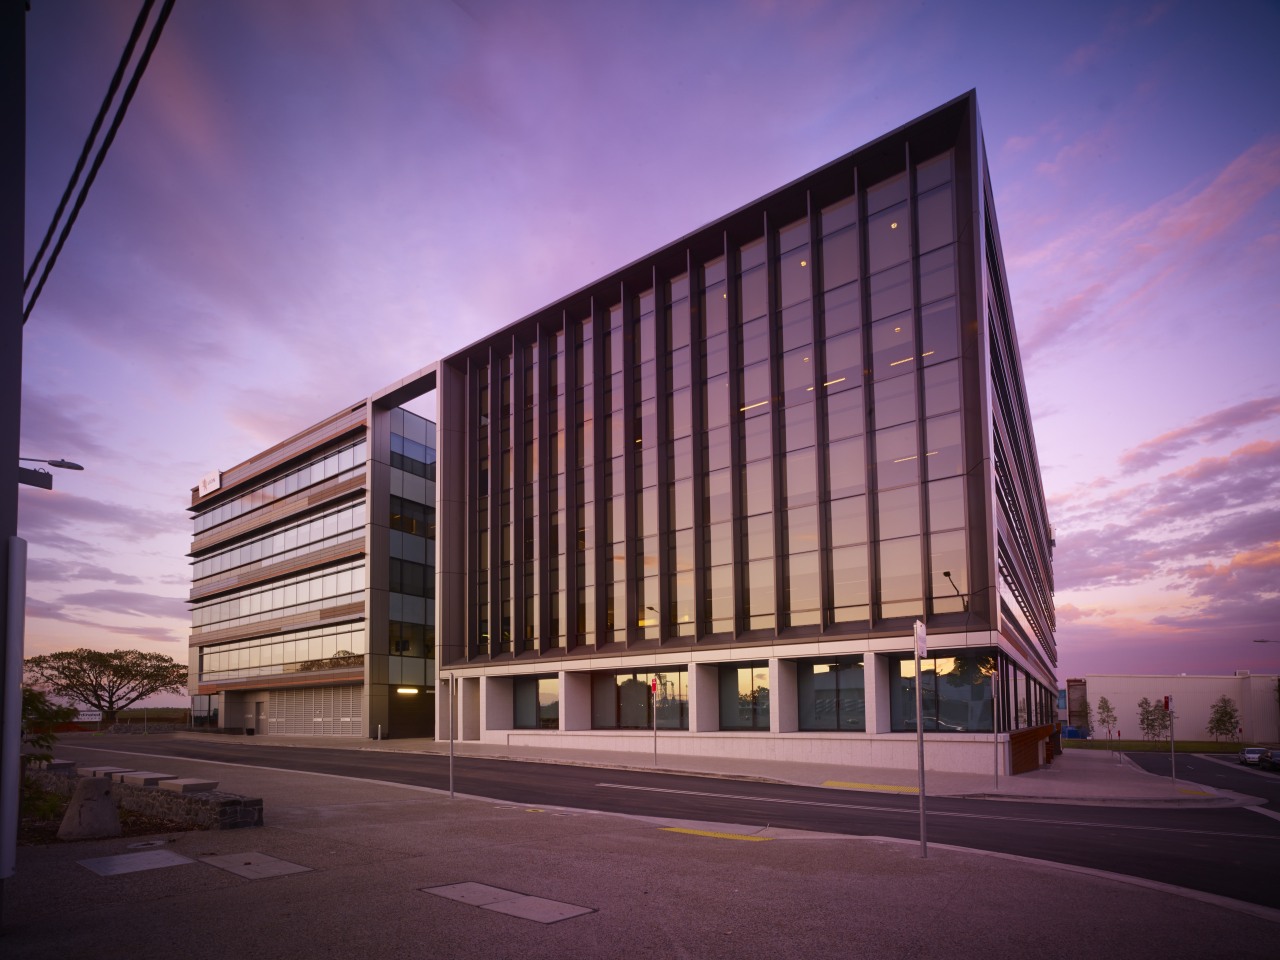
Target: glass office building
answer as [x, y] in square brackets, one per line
[313, 582]
[713, 491]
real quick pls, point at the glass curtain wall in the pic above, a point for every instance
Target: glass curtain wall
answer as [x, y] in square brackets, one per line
[717, 452]
[536, 703]
[801, 601]
[744, 696]
[412, 563]
[681, 553]
[831, 694]
[625, 700]
[754, 423]
[530, 538]
[955, 692]
[479, 645]
[841, 390]
[585, 481]
[644, 444]
[786, 456]
[615, 491]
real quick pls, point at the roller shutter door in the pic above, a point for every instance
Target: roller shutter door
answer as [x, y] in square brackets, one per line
[316, 711]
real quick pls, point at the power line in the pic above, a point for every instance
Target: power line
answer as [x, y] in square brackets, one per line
[139, 69]
[91, 139]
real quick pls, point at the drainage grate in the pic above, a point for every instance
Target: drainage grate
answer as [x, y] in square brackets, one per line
[133, 862]
[509, 902]
[254, 866]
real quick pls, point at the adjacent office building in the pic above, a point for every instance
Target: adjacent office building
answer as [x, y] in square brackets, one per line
[709, 494]
[313, 579]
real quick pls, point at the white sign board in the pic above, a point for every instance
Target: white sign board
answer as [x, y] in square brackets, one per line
[210, 482]
[89, 716]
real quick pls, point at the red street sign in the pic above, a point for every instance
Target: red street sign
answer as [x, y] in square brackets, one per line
[653, 685]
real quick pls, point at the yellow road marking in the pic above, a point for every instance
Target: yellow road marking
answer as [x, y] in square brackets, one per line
[712, 833]
[883, 787]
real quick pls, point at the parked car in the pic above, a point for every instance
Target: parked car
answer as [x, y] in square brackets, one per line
[1270, 760]
[1251, 755]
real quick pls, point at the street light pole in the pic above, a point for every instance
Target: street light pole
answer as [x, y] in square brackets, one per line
[35, 477]
[13, 184]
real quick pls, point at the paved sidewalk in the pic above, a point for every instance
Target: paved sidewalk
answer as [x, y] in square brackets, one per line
[1076, 776]
[348, 867]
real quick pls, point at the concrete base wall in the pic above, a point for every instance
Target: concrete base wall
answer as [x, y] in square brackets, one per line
[951, 753]
[211, 810]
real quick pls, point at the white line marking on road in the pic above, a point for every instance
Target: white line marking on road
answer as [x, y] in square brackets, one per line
[912, 812]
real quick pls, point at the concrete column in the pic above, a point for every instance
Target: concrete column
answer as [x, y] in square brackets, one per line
[875, 669]
[469, 708]
[575, 700]
[784, 713]
[497, 697]
[704, 698]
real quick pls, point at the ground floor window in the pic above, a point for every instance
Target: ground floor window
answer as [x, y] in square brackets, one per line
[204, 710]
[831, 694]
[537, 703]
[627, 700]
[744, 696]
[955, 692]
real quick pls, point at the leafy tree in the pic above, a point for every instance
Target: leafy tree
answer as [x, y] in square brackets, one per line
[106, 681]
[1088, 717]
[1146, 718]
[1154, 719]
[39, 716]
[1224, 718]
[1106, 715]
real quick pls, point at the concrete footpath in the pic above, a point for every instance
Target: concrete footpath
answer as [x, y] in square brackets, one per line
[1075, 776]
[346, 867]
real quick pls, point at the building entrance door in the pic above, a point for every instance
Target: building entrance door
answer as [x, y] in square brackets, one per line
[260, 717]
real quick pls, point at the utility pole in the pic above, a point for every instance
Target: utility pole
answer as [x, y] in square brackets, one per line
[13, 181]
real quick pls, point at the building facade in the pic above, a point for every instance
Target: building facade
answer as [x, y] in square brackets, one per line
[1256, 697]
[711, 493]
[313, 580]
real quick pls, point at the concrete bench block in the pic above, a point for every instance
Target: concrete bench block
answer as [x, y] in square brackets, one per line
[188, 785]
[102, 771]
[66, 768]
[145, 778]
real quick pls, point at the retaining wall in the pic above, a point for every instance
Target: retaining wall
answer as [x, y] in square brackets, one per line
[207, 810]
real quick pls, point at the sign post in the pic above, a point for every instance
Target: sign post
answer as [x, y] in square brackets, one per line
[453, 706]
[653, 693]
[1173, 754]
[995, 714]
[921, 651]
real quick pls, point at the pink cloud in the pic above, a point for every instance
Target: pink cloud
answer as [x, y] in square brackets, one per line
[1118, 265]
[1217, 425]
[1184, 521]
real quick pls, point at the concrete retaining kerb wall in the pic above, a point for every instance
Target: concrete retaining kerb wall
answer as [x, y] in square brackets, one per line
[208, 809]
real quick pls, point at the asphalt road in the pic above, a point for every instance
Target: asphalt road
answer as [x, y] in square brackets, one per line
[1229, 851]
[1222, 772]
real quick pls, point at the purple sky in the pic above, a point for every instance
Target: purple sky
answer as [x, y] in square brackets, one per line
[311, 198]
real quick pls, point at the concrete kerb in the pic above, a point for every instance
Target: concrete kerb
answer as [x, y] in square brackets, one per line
[1082, 778]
